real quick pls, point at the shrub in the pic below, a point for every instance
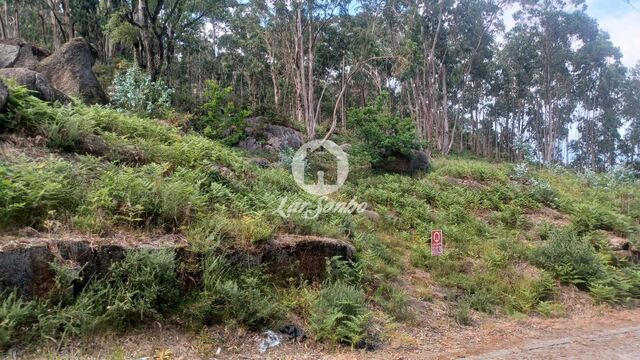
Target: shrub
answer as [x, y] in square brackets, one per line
[32, 191]
[144, 286]
[544, 193]
[590, 217]
[384, 135]
[550, 309]
[23, 110]
[474, 170]
[460, 314]
[144, 196]
[394, 301]
[340, 314]
[16, 318]
[221, 119]
[621, 175]
[134, 90]
[236, 296]
[570, 258]
[66, 129]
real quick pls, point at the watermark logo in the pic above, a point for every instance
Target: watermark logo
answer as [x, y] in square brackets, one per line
[323, 205]
[298, 165]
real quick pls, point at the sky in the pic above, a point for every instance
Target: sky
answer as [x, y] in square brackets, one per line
[619, 18]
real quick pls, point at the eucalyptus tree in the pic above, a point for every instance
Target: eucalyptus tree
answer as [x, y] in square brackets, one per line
[599, 86]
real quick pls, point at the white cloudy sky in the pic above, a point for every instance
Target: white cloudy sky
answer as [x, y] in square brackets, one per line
[620, 18]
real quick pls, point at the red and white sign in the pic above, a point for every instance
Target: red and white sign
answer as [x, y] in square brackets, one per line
[436, 243]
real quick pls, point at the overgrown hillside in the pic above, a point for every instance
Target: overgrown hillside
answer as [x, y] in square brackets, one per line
[515, 235]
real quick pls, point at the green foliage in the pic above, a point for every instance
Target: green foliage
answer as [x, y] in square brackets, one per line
[23, 111]
[221, 119]
[16, 317]
[141, 287]
[460, 314]
[570, 258]
[144, 285]
[33, 191]
[67, 129]
[383, 135]
[340, 314]
[120, 30]
[344, 270]
[550, 309]
[474, 170]
[66, 277]
[590, 217]
[133, 90]
[235, 296]
[144, 195]
[394, 301]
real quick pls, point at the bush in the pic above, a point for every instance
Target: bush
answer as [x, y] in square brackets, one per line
[16, 318]
[340, 314]
[141, 287]
[67, 129]
[33, 191]
[461, 314]
[394, 301]
[590, 217]
[144, 196]
[145, 285]
[233, 296]
[384, 135]
[133, 90]
[23, 110]
[570, 258]
[221, 119]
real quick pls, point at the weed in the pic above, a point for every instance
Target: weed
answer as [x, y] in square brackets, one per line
[340, 314]
[460, 314]
[30, 190]
[394, 301]
[144, 285]
[236, 296]
[596, 217]
[16, 318]
[570, 258]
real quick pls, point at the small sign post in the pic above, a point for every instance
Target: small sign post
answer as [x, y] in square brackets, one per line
[436, 243]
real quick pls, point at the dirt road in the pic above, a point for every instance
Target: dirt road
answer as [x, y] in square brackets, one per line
[622, 343]
[602, 333]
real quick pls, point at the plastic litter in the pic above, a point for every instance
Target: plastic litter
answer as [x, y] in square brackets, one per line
[270, 340]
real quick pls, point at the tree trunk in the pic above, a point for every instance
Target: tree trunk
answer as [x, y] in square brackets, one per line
[68, 25]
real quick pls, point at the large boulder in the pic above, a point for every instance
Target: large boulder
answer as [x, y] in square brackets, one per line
[419, 161]
[35, 82]
[263, 136]
[19, 53]
[416, 161]
[70, 70]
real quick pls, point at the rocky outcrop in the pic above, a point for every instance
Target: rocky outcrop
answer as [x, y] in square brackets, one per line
[25, 261]
[69, 70]
[4, 95]
[35, 82]
[416, 161]
[294, 255]
[263, 136]
[623, 248]
[19, 53]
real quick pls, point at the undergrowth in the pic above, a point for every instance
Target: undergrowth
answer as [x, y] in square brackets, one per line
[105, 170]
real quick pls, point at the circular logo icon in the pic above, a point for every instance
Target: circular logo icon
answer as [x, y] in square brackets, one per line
[319, 188]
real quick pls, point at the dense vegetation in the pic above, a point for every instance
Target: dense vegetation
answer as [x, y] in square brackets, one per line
[160, 176]
[534, 135]
[552, 82]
